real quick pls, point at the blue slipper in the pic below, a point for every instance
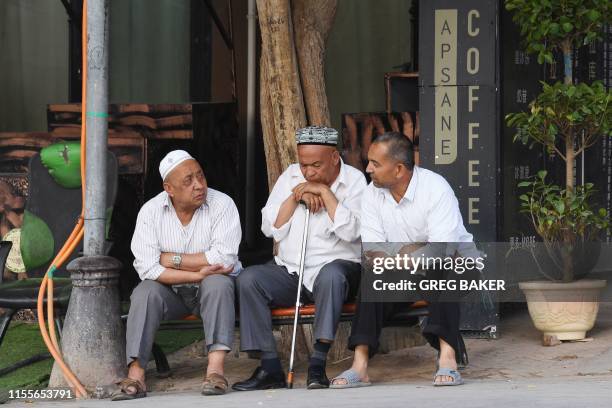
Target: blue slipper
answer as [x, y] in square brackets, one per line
[448, 372]
[352, 380]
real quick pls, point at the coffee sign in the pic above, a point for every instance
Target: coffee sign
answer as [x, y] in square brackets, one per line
[458, 100]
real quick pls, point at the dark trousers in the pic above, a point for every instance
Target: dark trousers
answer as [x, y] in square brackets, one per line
[263, 286]
[441, 323]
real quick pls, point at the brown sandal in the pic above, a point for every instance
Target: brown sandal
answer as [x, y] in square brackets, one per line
[122, 394]
[214, 384]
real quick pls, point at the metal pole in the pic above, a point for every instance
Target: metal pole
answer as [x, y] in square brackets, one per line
[93, 338]
[296, 315]
[250, 125]
[97, 126]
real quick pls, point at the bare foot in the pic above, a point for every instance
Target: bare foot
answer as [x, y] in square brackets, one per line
[135, 372]
[362, 371]
[447, 360]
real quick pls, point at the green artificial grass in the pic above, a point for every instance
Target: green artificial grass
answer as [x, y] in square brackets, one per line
[23, 340]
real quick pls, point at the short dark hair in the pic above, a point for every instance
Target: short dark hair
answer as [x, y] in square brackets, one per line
[399, 148]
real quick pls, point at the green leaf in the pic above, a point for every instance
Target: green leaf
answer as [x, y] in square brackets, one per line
[560, 207]
[542, 174]
[554, 28]
[593, 15]
[567, 27]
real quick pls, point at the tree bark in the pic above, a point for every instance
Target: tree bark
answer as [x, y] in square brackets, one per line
[570, 153]
[282, 99]
[273, 163]
[282, 76]
[570, 159]
[312, 22]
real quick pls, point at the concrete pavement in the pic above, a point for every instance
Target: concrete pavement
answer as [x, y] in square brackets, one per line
[587, 392]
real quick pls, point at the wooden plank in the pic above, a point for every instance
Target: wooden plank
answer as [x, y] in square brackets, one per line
[174, 121]
[24, 142]
[18, 155]
[171, 134]
[32, 135]
[66, 116]
[64, 125]
[67, 132]
[138, 120]
[65, 107]
[159, 108]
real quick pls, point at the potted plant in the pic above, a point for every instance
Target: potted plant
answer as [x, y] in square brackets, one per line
[565, 118]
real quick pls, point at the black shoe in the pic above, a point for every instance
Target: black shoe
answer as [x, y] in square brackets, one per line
[317, 378]
[261, 380]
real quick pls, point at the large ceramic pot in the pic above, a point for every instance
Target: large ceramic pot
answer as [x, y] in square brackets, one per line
[564, 310]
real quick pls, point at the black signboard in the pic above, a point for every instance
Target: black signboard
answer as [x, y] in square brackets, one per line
[459, 105]
[459, 108]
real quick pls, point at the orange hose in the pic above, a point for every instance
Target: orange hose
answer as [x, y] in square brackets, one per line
[71, 243]
[70, 377]
[59, 260]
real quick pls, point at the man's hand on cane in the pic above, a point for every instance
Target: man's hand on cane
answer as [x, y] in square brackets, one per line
[313, 202]
[311, 194]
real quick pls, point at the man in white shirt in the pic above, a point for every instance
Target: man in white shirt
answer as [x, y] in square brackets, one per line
[332, 190]
[186, 252]
[406, 204]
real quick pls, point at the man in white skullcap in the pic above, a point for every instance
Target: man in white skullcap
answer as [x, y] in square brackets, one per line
[332, 191]
[185, 247]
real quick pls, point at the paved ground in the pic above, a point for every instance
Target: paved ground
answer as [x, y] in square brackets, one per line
[513, 371]
[588, 392]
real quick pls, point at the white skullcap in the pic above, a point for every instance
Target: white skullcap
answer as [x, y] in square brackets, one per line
[172, 159]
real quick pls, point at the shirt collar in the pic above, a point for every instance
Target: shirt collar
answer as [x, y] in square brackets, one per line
[341, 179]
[410, 193]
[412, 186]
[166, 202]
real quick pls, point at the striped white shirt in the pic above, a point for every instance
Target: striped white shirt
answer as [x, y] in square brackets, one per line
[213, 230]
[327, 240]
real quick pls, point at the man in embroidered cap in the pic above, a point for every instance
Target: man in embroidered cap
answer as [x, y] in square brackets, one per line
[185, 247]
[332, 191]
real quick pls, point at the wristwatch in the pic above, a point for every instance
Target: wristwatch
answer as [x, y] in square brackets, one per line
[176, 261]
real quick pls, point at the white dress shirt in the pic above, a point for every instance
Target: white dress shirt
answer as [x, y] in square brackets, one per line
[213, 230]
[428, 212]
[327, 240]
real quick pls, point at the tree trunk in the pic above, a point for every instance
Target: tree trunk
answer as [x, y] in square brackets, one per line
[570, 154]
[566, 48]
[273, 163]
[312, 22]
[282, 77]
[282, 101]
[570, 159]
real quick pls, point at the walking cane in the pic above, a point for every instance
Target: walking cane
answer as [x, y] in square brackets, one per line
[297, 300]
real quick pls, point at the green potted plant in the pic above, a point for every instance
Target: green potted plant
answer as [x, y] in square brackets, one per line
[566, 119]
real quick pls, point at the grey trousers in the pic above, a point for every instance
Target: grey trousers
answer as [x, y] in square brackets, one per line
[152, 302]
[263, 286]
